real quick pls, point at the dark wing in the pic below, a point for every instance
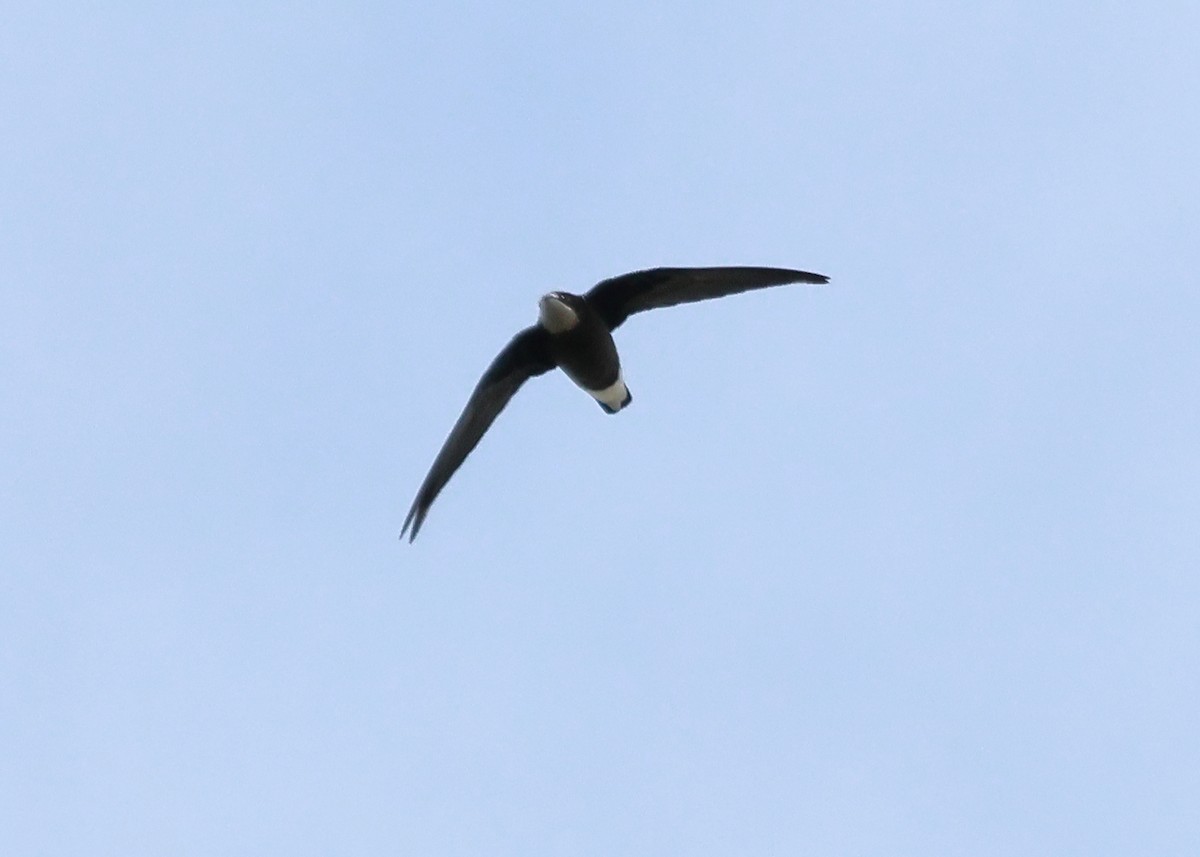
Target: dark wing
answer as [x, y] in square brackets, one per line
[523, 358]
[622, 296]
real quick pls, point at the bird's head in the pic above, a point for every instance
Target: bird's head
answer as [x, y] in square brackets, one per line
[559, 311]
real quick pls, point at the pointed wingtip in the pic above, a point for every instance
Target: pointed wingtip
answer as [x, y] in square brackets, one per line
[414, 520]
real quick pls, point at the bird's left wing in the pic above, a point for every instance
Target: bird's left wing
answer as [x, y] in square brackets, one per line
[523, 358]
[618, 298]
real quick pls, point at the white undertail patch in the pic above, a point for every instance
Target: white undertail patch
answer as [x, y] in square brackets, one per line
[614, 395]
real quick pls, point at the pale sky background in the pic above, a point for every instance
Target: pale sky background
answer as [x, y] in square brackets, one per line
[905, 565]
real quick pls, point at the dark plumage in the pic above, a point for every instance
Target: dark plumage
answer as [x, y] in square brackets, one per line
[574, 333]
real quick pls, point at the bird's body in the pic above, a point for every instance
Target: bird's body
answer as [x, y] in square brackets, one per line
[581, 344]
[574, 333]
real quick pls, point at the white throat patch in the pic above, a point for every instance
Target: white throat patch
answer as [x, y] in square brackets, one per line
[555, 316]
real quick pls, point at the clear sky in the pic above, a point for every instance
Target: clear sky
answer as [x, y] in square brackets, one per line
[904, 565]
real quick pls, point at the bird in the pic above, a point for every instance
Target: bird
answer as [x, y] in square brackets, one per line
[574, 333]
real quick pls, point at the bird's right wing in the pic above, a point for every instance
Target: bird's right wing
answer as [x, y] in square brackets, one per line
[523, 358]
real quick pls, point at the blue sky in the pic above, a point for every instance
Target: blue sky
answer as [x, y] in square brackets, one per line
[902, 565]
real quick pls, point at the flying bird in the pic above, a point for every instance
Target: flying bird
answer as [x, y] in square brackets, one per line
[574, 333]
